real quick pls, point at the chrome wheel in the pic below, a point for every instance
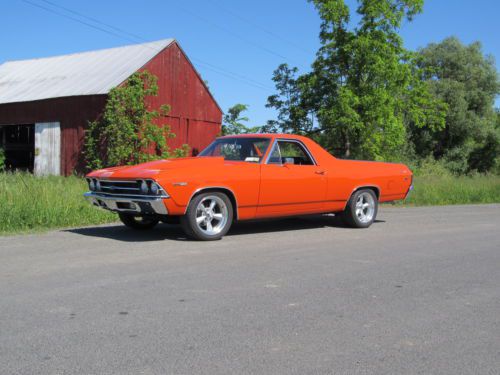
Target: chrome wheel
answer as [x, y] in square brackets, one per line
[365, 207]
[211, 215]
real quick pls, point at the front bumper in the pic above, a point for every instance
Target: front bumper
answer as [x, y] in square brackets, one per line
[140, 205]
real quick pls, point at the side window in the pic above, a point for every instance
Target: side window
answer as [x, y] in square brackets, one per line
[275, 157]
[287, 152]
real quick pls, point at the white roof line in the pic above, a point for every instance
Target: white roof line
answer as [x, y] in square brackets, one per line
[82, 73]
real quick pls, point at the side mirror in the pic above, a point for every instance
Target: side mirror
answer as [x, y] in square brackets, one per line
[289, 161]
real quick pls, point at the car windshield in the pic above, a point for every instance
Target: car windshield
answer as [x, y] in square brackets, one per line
[251, 150]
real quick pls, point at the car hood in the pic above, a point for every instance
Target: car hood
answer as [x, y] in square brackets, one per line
[155, 168]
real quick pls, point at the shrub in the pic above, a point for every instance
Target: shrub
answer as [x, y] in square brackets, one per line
[129, 132]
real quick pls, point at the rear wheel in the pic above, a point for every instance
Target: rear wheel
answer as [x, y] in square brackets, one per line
[361, 210]
[208, 217]
[138, 222]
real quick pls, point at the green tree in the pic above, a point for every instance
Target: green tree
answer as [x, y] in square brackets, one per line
[467, 80]
[129, 132]
[233, 121]
[364, 88]
[293, 116]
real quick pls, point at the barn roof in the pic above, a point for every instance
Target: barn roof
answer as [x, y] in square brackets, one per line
[86, 73]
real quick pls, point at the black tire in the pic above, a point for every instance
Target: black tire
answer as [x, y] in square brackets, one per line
[223, 207]
[367, 216]
[138, 222]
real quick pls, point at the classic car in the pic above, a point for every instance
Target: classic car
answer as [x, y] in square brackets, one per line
[246, 177]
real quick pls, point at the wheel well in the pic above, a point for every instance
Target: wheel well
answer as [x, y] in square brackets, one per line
[226, 191]
[374, 188]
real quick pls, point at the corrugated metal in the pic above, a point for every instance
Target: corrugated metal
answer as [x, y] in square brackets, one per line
[87, 73]
[47, 149]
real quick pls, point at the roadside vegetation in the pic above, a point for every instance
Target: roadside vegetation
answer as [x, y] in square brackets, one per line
[37, 204]
[435, 190]
[435, 185]
[31, 204]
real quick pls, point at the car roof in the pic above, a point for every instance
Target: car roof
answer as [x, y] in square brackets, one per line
[263, 135]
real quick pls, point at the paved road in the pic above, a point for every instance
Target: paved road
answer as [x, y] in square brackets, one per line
[417, 293]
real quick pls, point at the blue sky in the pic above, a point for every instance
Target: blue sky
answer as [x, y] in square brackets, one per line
[234, 44]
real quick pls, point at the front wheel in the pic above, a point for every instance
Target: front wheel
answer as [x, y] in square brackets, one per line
[208, 217]
[138, 222]
[361, 210]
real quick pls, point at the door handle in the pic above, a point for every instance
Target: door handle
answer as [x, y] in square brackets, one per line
[320, 172]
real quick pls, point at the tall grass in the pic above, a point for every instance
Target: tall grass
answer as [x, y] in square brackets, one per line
[29, 203]
[434, 190]
[435, 185]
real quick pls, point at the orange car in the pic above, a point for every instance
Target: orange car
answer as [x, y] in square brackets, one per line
[246, 177]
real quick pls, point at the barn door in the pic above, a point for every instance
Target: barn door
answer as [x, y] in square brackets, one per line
[47, 149]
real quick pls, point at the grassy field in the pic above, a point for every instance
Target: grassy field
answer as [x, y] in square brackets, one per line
[30, 204]
[436, 190]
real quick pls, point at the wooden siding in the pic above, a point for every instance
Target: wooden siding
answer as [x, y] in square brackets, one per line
[195, 117]
[73, 113]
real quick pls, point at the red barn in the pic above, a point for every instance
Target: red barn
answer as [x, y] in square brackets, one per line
[46, 104]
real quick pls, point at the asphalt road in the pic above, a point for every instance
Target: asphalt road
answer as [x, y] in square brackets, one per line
[417, 293]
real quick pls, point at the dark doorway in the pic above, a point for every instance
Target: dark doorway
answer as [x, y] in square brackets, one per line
[18, 142]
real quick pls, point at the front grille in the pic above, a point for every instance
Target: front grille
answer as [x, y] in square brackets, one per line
[127, 188]
[121, 187]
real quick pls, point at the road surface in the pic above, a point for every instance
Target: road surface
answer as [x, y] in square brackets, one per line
[417, 293]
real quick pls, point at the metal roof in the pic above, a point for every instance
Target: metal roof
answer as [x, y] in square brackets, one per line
[86, 73]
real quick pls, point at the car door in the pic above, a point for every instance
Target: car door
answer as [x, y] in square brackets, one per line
[291, 181]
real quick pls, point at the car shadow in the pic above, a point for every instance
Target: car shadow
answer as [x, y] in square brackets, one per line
[175, 232]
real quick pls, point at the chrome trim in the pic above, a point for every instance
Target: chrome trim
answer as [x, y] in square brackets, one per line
[110, 202]
[163, 192]
[276, 140]
[118, 187]
[214, 187]
[124, 181]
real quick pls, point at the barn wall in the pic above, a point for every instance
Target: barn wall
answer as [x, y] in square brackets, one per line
[73, 113]
[195, 117]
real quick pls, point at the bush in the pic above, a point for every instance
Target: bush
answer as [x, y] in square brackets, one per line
[431, 167]
[129, 132]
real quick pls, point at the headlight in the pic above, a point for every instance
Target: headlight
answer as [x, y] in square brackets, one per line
[98, 185]
[144, 187]
[91, 185]
[154, 188]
